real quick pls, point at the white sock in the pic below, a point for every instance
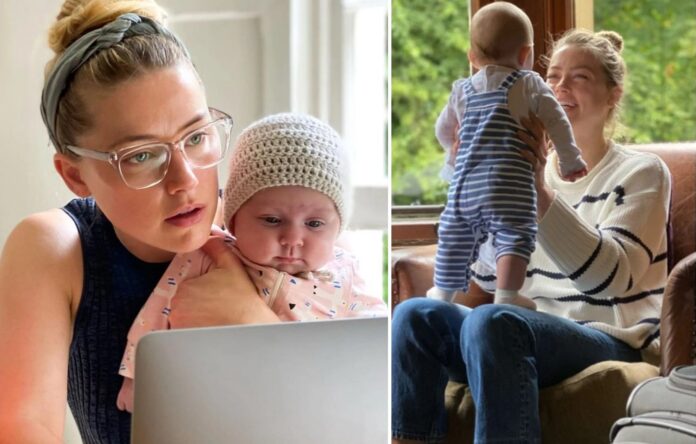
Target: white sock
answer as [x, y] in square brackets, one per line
[512, 297]
[440, 294]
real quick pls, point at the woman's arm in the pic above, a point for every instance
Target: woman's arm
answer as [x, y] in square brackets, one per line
[39, 270]
[606, 256]
[536, 139]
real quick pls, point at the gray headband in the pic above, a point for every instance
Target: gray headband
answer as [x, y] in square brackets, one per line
[81, 50]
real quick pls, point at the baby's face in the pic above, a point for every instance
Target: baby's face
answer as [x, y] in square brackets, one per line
[289, 228]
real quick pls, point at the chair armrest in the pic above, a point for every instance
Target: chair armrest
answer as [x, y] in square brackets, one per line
[412, 275]
[677, 324]
[412, 272]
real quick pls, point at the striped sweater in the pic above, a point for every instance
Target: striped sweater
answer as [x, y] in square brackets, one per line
[601, 256]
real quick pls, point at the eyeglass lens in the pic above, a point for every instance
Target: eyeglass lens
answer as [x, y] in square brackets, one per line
[148, 164]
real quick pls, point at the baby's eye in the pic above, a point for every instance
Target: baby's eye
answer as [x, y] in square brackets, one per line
[315, 223]
[271, 220]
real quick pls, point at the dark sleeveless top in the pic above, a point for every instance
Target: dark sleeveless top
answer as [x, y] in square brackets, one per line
[116, 285]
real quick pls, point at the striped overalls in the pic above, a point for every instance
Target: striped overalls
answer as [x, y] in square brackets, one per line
[492, 190]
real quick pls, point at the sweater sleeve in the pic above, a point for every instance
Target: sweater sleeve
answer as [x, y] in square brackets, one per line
[604, 257]
[557, 125]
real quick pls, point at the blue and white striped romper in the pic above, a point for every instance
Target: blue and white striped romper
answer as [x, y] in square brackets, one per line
[492, 190]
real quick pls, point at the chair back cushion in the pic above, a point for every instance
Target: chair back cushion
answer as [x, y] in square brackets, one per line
[681, 161]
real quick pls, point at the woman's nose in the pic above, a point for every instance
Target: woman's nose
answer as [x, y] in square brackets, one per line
[562, 84]
[181, 175]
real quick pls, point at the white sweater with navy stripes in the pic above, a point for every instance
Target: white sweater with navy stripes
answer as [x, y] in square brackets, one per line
[601, 254]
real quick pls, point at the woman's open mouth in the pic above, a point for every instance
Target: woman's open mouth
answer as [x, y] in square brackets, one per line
[187, 217]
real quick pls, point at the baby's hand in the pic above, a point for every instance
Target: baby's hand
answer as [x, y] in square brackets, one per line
[572, 177]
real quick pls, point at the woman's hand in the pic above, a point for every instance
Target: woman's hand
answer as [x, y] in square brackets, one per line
[224, 295]
[537, 141]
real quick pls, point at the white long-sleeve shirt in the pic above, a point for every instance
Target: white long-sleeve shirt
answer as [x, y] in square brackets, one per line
[528, 94]
[601, 256]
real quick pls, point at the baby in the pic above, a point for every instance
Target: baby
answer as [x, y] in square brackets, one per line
[286, 201]
[492, 185]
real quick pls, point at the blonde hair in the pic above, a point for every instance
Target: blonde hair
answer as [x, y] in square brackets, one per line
[132, 56]
[499, 30]
[606, 47]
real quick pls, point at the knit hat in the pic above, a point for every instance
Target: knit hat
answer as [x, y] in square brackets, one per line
[288, 149]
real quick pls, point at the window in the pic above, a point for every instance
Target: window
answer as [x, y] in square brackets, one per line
[430, 40]
[365, 126]
[659, 50]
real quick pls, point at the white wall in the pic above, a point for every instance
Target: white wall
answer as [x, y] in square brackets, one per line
[28, 182]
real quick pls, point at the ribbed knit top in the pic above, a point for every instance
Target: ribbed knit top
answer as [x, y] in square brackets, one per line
[116, 285]
[601, 257]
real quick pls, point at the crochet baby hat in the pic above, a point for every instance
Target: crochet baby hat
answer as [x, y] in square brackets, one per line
[288, 149]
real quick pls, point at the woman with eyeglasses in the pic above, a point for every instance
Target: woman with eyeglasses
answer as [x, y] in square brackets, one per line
[137, 143]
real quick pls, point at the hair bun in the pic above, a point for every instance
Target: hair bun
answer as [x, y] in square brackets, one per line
[614, 38]
[78, 17]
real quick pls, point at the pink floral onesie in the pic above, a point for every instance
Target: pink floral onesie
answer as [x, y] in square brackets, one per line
[335, 291]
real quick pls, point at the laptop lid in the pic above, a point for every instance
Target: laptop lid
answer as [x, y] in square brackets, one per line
[300, 382]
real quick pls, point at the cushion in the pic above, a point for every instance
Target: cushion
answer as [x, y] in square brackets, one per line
[580, 409]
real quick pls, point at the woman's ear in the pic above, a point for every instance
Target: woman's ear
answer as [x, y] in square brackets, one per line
[615, 95]
[70, 173]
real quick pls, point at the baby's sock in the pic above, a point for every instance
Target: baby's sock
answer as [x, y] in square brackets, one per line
[440, 294]
[513, 297]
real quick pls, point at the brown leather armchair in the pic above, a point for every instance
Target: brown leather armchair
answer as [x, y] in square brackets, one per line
[582, 408]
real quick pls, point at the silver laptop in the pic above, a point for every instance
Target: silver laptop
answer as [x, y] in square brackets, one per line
[300, 382]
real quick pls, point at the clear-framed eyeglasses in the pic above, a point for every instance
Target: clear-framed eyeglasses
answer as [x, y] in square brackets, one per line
[144, 166]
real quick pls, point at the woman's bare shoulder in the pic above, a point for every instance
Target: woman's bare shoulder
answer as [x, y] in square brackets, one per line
[44, 248]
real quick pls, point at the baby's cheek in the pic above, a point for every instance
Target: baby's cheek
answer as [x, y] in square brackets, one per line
[324, 255]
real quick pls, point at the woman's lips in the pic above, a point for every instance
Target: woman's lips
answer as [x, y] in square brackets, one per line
[187, 217]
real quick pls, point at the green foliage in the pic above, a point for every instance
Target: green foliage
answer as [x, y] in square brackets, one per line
[660, 52]
[430, 39]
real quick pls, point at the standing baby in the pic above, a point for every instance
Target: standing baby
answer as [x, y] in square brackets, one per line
[492, 192]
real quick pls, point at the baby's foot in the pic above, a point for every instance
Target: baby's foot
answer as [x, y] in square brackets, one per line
[513, 298]
[440, 294]
[572, 177]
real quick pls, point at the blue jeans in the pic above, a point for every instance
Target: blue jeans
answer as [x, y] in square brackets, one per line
[504, 353]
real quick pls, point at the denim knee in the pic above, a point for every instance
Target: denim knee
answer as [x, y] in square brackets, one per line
[409, 310]
[492, 326]
[413, 317]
